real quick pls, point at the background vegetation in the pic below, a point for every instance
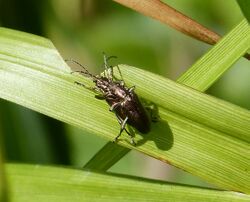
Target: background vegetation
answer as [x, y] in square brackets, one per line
[81, 30]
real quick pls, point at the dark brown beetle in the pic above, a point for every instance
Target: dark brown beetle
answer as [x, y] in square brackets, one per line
[122, 100]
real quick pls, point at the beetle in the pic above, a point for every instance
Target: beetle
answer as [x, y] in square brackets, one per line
[123, 100]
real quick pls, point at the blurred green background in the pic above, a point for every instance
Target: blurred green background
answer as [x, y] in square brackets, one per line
[82, 30]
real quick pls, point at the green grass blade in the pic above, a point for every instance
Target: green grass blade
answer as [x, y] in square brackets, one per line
[106, 157]
[200, 76]
[218, 59]
[198, 133]
[245, 7]
[3, 186]
[42, 183]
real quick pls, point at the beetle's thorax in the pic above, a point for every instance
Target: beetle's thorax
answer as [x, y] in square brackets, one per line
[115, 91]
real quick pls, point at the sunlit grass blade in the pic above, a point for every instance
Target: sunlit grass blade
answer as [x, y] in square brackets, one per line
[198, 77]
[43, 183]
[198, 133]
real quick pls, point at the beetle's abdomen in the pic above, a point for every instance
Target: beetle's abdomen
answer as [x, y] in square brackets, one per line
[137, 115]
[140, 120]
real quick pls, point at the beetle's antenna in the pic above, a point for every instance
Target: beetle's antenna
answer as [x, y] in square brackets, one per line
[85, 72]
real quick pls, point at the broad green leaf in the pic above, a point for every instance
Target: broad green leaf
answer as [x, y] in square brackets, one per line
[200, 76]
[43, 183]
[203, 135]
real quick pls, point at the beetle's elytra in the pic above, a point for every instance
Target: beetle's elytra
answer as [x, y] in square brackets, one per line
[122, 100]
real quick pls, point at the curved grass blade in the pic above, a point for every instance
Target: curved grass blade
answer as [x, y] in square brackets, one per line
[43, 183]
[200, 76]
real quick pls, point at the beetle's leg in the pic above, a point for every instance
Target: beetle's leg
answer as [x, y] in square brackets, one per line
[93, 89]
[120, 72]
[131, 89]
[123, 123]
[120, 78]
[153, 112]
[99, 93]
[83, 85]
[114, 106]
[80, 84]
[124, 128]
[119, 119]
[108, 69]
[132, 140]
[99, 97]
